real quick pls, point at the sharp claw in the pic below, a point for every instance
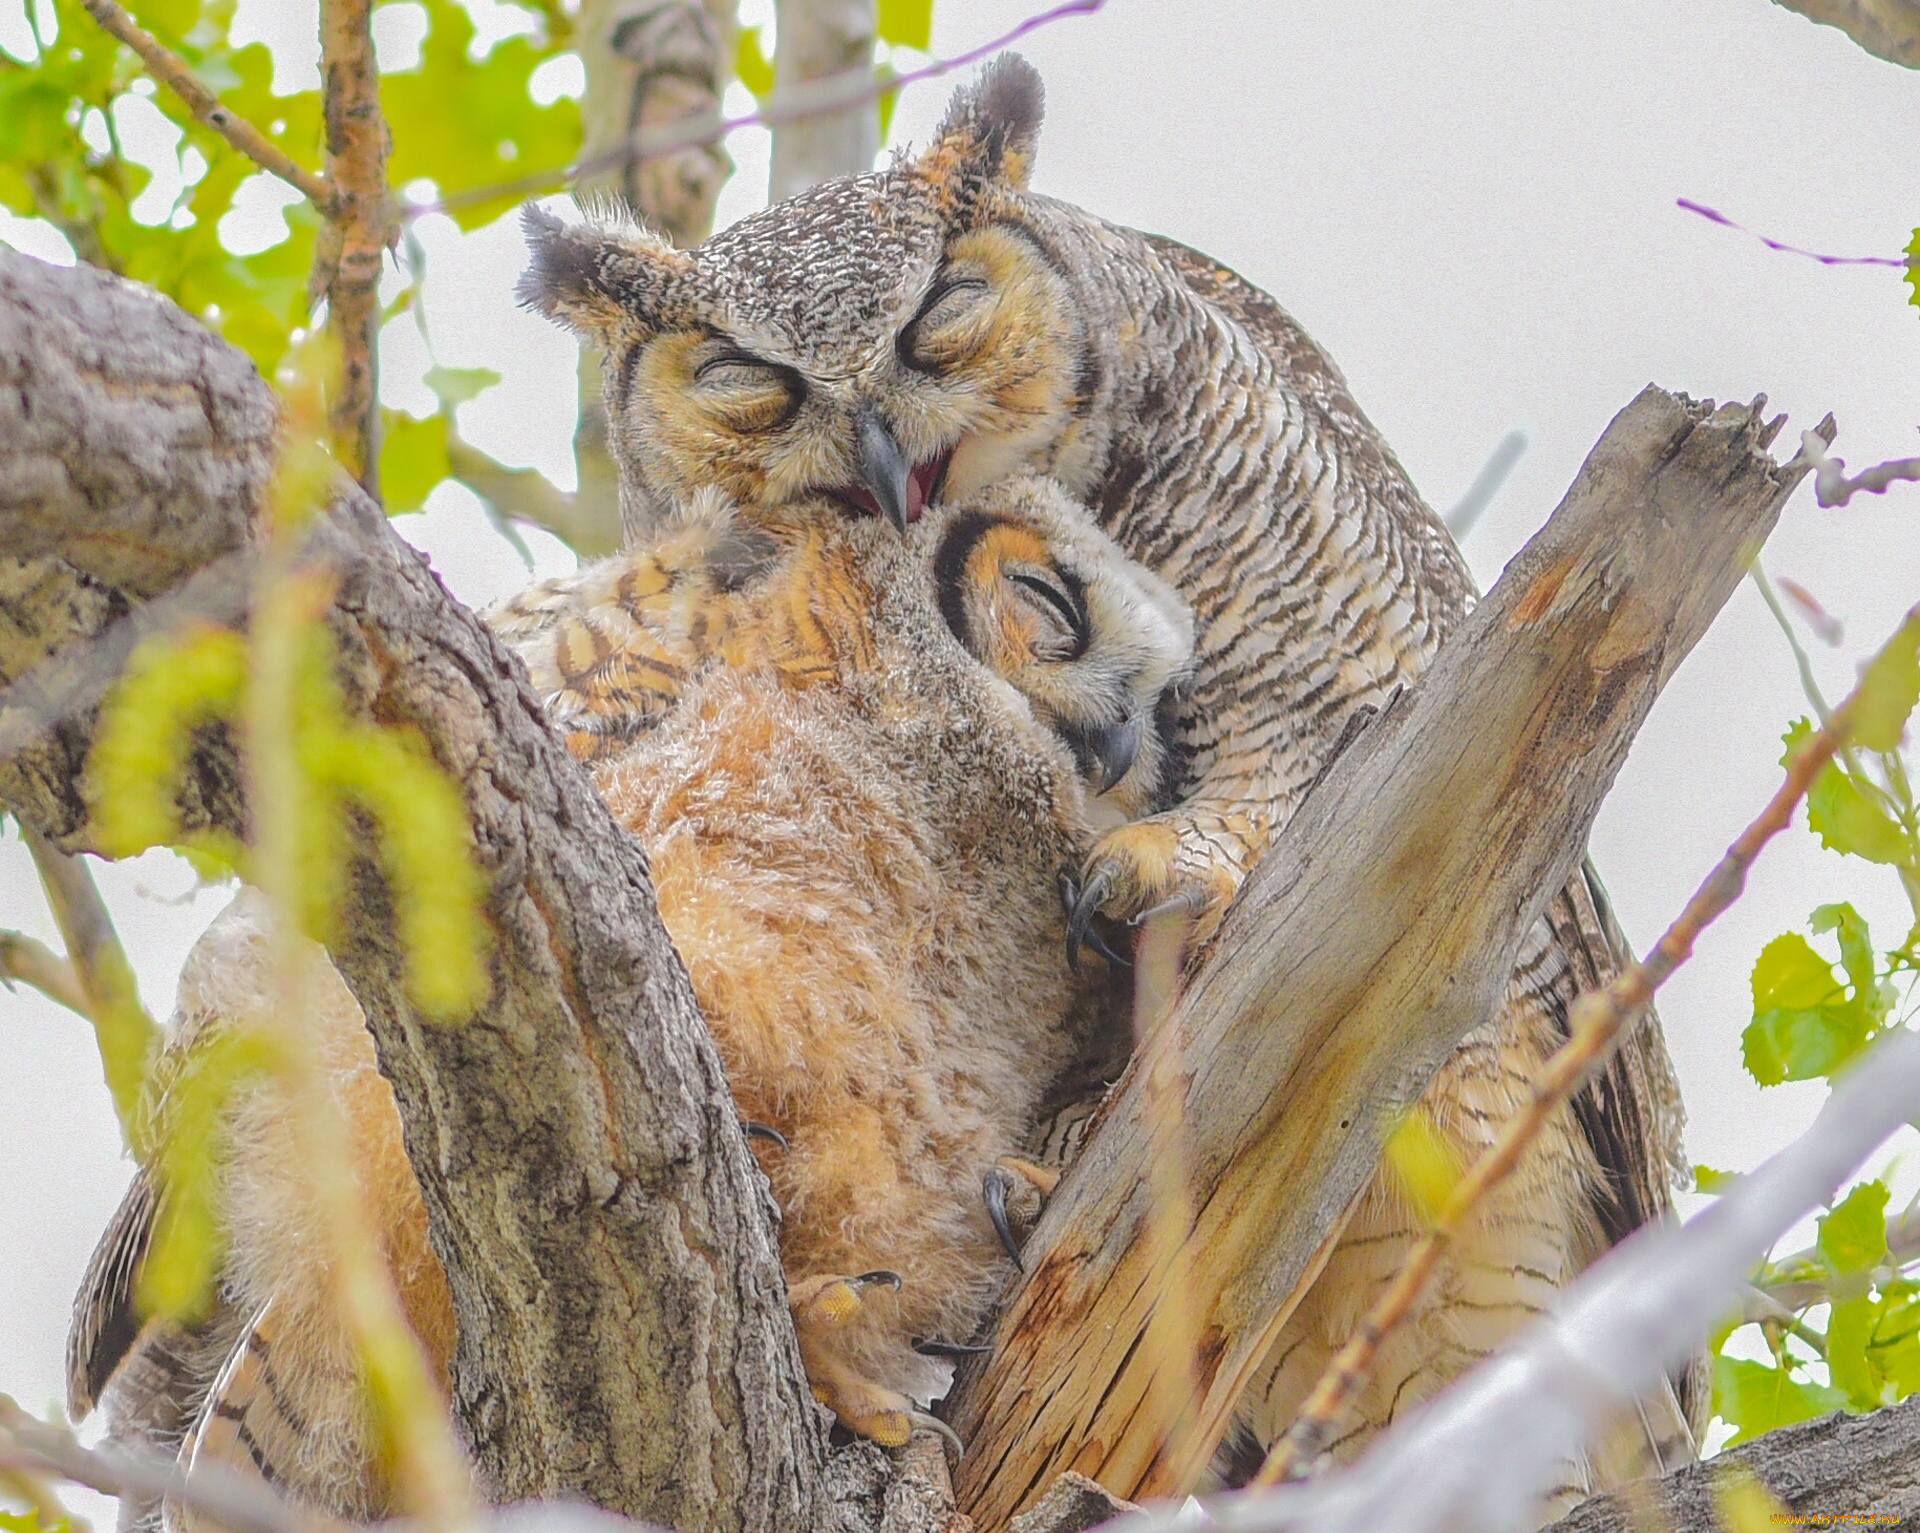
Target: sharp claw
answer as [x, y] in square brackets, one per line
[761, 1131]
[993, 1188]
[1188, 902]
[929, 1346]
[1080, 917]
[927, 1423]
[1099, 944]
[868, 1279]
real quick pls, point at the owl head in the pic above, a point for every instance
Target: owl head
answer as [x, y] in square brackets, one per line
[882, 339]
[1098, 644]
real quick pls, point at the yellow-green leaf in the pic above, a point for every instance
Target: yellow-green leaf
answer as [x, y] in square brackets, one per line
[413, 459]
[1889, 688]
[907, 23]
[1851, 823]
[750, 66]
[456, 385]
[1754, 1398]
[1853, 1237]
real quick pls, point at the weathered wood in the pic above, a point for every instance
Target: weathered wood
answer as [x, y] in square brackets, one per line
[1377, 931]
[623, 1336]
[1860, 1469]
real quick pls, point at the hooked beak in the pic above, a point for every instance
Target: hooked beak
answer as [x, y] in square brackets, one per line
[884, 470]
[1112, 748]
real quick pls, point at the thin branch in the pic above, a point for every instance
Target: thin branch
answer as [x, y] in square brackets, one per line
[837, 94]
[126, 1035]
[237, 1504]
[1486, 484]
[1714, 215]
[1481, 1455]
[1832, 487]
[171, 71]
[1888, 29]
[527, 495]
[1599, 1019]
[1797, 1282]
[28, 962]
[361, 227]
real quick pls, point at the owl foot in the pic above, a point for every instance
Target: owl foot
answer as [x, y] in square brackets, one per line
[1081, 931]
[824, 1310]
[1016, 1192]
[1169, 864]
[772, 1136]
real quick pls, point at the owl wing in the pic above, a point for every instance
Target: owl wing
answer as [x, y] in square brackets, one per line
[613, 646]
[106, 1326]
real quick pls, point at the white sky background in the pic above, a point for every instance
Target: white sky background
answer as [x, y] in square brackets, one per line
[1471, 205]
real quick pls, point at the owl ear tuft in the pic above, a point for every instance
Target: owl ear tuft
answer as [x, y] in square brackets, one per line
[991, 130]
[601, 282]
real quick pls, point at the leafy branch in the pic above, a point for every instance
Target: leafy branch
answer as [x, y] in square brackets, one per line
[1874, 713]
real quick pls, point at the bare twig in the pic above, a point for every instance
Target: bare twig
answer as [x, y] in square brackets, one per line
[1714, 215]
[171, 71]
[234, 1503]
[1796, 1282]
[126, 1034]
[361, 227]
[1486, 484]
[1832, 487]
[1888, 29]
[28, 962]
[832, 95]
[1481, 1455]
[527, 495]
[1599, 1018]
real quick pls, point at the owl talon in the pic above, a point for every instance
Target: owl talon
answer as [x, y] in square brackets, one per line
[924, 1422]
[932, 1346]
[993, 1189]
[1030, 1186]
[1190, 902]
[1086, 905]
[761, 1131]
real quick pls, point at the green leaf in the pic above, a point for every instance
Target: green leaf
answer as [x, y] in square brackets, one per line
[1804, 1023]
[1889, 688]
[1849, 822]
[907, 23]
[1853, 1237]
[1856, 944]
[413, 459]
[751, 67]
[1706, 1179]
[1754, 1398]
[456, 385]
[1913, 269]
[1849, 1329]
[467, 125]
[29, 1522]
[169, 19]
[1895, 1347]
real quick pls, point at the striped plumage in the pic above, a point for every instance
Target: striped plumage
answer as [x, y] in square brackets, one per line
[935, 326]
[854, 828]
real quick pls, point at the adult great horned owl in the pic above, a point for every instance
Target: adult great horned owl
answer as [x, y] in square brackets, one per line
[920, 332]
[853, 825]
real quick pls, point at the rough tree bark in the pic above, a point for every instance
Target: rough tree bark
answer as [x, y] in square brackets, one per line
[623, 1333]
[1860, 1467]
[818, 40]
[1352, 964]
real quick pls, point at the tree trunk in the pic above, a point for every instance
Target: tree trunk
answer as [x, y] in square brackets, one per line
[1888, 29]
[623, 1336]
[1373, 935]
[817, 40]
[1862, 1467]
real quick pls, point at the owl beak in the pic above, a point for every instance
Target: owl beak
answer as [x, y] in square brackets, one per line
[1112, 748]
[885, 472]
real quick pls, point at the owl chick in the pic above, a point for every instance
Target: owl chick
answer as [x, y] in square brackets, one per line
[854, 827]
[925, 330]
